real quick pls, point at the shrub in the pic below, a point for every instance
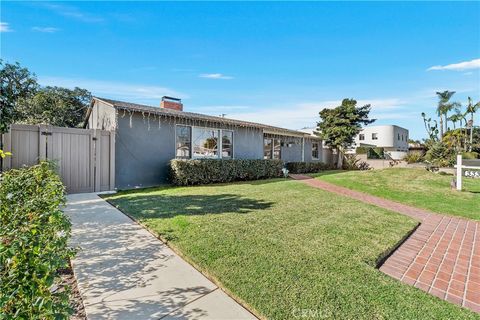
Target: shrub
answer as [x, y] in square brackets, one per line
[470, 155]
[413, 157]
[33, 244]
[439, 154]
[351, 162]
[306, 167]
[204, 171]
[376, 153]
[362, 150]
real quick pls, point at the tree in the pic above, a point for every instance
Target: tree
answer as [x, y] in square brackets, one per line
[55, 106]
[432, 130]
[445, 106]
[339, 126]
[471, 109]
[16, 85]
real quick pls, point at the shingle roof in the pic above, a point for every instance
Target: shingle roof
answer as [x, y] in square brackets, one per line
[122, 105]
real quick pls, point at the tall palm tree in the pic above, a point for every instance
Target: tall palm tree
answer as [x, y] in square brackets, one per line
[444, 107]
[472, 108]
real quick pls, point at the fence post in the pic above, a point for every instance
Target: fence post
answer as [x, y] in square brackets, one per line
[97, 141]
[112, 160]
[42, 142]
[459, 172]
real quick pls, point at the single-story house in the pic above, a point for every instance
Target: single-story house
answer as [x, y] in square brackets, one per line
[147, 138]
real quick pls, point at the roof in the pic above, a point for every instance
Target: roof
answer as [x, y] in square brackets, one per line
[135, 107]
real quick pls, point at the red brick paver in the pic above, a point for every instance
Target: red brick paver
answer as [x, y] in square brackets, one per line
[441, 257]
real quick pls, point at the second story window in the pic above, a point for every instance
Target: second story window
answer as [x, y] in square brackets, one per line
[361, 137]
[374, 136]
[398, 136]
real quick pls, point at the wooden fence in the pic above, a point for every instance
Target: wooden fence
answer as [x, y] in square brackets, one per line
[85, 157]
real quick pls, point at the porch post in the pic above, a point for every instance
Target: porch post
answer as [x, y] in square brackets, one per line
[459, 172]
[303, 149]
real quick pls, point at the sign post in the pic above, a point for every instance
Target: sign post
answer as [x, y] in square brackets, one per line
[459, 172]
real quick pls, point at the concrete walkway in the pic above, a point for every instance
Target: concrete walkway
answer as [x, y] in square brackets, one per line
[124, 272]
[442, 256]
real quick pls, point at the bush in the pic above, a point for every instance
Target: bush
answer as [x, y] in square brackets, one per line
[351, 162]
[205, 171]
[439, 154]
[470, 155]
[362, 150]
[413, 157]
[375, 153]
[33, 244]
[306, 167]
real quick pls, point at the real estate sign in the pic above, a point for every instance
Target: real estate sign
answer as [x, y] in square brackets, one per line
[468, 169]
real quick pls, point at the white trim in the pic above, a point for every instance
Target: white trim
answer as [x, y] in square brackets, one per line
[300, 135]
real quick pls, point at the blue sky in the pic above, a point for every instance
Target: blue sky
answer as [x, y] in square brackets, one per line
[276, 63]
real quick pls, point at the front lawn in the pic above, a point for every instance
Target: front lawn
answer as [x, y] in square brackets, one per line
[416, 187]
[288, 250]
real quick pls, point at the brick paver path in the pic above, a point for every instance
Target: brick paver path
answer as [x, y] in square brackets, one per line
[441, 257]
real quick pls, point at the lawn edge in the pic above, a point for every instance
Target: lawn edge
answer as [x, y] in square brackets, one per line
[383, 257]
[207, 275]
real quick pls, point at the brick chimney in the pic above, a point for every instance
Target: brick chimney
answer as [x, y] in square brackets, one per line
[171, 103]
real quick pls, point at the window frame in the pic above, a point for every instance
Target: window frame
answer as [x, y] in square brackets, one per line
[374, 135]
[361, 137]
[220, 145]
[318, 151]
[176, 140]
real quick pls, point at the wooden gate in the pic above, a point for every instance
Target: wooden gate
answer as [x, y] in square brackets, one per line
[85, 158]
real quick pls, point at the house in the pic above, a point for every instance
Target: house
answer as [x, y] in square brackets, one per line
[147, 138]
[393, 139]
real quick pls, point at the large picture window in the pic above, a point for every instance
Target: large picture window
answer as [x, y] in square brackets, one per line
[183, 142]
[205, 143]
[227, 144]
[315, 150]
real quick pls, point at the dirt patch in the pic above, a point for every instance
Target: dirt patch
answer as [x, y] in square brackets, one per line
[68, 279]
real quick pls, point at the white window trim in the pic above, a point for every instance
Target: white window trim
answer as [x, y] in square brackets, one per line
[220, 145]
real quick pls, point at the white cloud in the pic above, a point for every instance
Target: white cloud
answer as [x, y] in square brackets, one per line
[461, 66]
[45, 29]
[306, 114]
[74, 13]
[215, 76]
[5, 27]
[115, 90]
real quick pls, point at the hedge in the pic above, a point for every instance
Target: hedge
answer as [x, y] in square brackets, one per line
[306, 167]
[205, 171]
[33, 244]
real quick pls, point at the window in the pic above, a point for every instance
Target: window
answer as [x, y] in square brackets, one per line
[276, 149]
[361, 136]
[398, 136]
[374, 136]
[402, 137]
[315, 150]
[227, 144]
[205, 143]
[183, 142]
[267, 148]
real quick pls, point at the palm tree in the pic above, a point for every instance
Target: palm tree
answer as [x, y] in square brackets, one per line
[472, 108]
[444, 107]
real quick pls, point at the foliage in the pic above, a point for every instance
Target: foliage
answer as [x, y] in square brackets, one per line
[205, 171]
[16, 84]
[339, 126]
[472, 108]
[413, 157]
[353, 163]
[306, 167]
[3, 154]
[33, 247]
[362, 150]
[445, 106]
[23, 100]
[470, 155]
[440, 154]
[376, 153]
[281, 246]
[55, 106]
[430, 127]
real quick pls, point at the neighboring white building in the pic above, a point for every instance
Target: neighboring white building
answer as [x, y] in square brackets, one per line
[393, 139]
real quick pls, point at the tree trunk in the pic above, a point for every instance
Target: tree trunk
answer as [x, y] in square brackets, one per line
[471, 134]
[339, 159]
[441, 127]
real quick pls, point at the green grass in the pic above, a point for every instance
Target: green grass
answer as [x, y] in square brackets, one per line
[416, 187]
[284, 248]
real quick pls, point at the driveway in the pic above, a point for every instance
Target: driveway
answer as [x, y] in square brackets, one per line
[124, 272]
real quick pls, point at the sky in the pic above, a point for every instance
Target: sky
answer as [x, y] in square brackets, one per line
[276, 63]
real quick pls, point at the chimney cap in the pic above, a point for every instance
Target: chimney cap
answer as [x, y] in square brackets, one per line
[167, 98]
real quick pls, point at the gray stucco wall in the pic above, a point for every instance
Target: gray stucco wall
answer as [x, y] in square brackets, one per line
[142, 155]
